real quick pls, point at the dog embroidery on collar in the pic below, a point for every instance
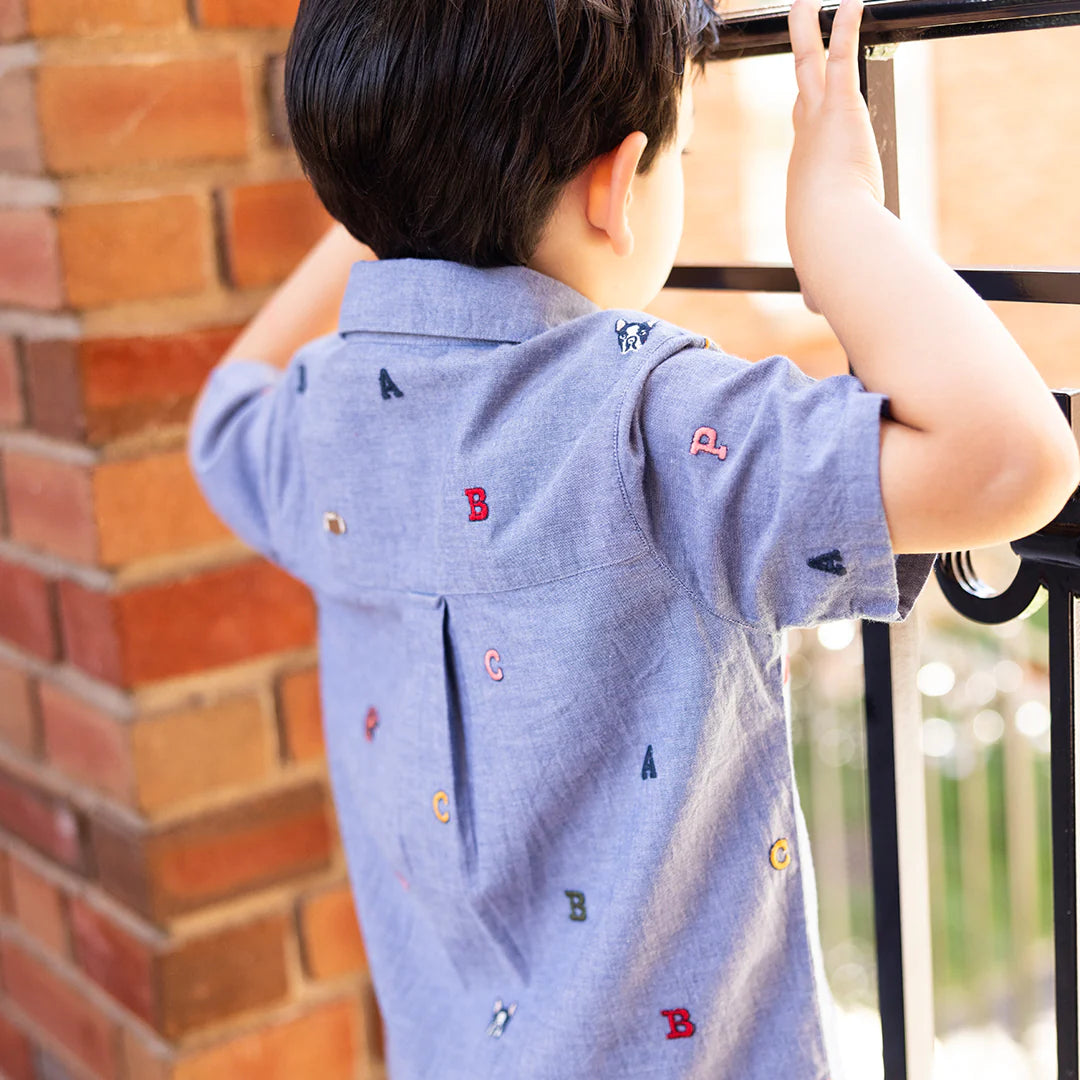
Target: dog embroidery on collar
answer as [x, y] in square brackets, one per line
[633, 335]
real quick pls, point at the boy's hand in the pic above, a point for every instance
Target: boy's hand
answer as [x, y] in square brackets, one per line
[835, 157]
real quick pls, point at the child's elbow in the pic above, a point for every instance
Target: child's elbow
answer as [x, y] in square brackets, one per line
[1046, 482]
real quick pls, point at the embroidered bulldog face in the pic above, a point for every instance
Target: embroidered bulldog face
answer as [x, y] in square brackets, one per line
[633, 335]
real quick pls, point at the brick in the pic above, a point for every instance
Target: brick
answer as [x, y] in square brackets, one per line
[43, 821]
[151, 506]
[120, 859]
[105, 388]
[208, 980]
[50, 506]
[26, 615]
[230, 13]
[301, 715]
[142, 1061]
[323, 1043]
[18, 712]
[330, 934]
[193, 752]
[40, 907]
[136, 250]
[49, 18]
[132, 384]
[54, 389]
[90, 629]
[277, 118]
[101, 117]
[251, 845]
[118, 962]
[184, 626]
[51, 1068]
[16, 1057]
[20, 148]
[30, 273]
[7, 898]
[86, 743]
[59, 1008]
[270, 228]
[220, 617]
[12, 19]
[12, 409]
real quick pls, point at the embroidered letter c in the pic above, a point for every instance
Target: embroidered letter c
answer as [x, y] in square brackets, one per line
[491, 664]
[439, 805]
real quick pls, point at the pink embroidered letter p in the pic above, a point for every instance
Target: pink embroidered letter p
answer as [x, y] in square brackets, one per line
[705, 440]
[478, 508]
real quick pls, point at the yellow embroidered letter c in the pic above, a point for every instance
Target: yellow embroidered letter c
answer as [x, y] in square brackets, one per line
[443, 814]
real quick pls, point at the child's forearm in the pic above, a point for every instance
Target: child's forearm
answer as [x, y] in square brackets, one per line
[913, 329]
[305, 306]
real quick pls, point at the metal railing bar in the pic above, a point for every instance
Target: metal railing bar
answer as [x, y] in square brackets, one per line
[1063, 792]
[763, 31]
[1018, 284]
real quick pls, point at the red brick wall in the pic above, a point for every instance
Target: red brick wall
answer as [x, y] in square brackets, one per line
[173, 901]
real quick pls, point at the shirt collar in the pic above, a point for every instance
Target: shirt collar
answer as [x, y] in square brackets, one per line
[436, 297]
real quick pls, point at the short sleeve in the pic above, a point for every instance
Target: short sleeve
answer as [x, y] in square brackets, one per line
[242, 448]
[759, 487]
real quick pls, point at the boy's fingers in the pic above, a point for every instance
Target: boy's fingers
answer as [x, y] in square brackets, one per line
[842, 69]
[808, 49]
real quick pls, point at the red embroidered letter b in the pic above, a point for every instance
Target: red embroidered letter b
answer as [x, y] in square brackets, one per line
[679, 1020]
[478, 508]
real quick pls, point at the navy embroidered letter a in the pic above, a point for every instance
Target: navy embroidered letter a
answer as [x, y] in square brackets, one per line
[648, 769]
[388, 386]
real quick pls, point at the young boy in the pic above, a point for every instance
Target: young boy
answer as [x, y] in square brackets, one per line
[555, 542]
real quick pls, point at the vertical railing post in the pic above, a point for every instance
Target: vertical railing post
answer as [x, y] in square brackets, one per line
[1061, 617]
[1062, 581]
[895, 778]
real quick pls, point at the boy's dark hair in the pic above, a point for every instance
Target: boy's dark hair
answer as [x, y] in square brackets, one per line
[446, 129]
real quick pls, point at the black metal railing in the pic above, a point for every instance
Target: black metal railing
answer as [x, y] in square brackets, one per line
[1050, 559]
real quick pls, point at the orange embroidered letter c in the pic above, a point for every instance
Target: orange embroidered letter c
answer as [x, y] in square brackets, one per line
[441, 812]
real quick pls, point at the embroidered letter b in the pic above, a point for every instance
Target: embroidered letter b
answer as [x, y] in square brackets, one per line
[577, 904]
[478, 508]
[679, 1021]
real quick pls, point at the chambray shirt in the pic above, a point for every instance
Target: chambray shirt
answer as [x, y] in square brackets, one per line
[554, 549]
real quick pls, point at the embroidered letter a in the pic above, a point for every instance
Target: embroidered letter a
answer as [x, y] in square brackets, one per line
[648, 769]
[388, 386]
[832, 562]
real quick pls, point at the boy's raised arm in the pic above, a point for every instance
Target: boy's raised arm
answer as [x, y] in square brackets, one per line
[978, 451]
[305, 306]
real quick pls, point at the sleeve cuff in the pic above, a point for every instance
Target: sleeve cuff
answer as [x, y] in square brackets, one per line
[888, 584]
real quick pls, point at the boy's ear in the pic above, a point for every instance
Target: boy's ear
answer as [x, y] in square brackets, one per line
[610, 191]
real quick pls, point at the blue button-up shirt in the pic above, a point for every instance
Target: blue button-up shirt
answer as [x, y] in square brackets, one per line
[554, 549]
